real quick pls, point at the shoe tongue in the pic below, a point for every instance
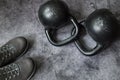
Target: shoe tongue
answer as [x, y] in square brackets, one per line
[9, 72]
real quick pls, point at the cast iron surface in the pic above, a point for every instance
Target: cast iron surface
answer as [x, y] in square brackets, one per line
[54, 15]
[103, 27]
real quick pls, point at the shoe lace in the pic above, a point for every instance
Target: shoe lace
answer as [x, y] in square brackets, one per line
[9, 72]
[6, 53]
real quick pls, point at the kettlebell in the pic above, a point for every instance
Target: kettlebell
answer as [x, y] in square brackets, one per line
[103, 27]
[54, 14]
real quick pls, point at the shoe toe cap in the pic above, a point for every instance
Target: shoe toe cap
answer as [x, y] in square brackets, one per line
[27, 67]
[20, 43]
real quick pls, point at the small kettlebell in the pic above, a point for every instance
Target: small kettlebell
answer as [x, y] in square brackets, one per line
[54, 14]
[103, 27]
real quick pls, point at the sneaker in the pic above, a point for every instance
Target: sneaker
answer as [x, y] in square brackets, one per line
[20, 70]
[12, 50]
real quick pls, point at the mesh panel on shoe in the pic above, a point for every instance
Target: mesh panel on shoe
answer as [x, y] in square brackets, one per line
[9, 72]
[7, 52]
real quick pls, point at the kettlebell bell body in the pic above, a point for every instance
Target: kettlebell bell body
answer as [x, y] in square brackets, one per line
[103, 27]
[54, 15]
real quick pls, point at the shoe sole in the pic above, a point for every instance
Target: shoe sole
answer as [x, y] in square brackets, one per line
[34, 70]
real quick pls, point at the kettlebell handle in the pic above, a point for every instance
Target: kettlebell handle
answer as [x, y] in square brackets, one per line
[85, 50]
[68, 40]
[81, 46]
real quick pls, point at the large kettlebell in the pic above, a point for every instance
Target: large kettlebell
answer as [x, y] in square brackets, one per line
[103, 27]
[54, 14]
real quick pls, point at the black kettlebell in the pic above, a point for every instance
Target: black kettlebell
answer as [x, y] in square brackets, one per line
[103, 27]
[54, 14]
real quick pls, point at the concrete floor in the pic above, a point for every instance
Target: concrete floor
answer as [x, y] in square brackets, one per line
[20, 18]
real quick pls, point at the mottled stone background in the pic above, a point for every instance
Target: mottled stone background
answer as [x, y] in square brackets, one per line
[20, 18]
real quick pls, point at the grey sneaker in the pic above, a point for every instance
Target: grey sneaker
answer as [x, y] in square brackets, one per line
[20, 70]
[12, 50]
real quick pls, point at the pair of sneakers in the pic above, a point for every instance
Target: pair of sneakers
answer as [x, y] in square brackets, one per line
[19, 70]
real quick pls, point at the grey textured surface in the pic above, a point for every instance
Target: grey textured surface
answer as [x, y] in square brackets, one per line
[20, 18]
